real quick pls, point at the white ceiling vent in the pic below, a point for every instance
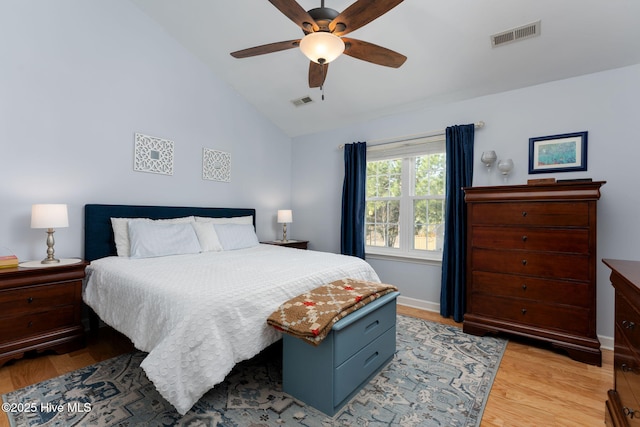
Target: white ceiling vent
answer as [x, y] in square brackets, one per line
[516, 34]
[302, 101]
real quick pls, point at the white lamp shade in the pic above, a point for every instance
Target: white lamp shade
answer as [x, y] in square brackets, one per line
[49, 216]
[284, 216]
[321, 47]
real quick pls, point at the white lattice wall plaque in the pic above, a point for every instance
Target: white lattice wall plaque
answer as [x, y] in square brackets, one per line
[153, 155]
[216, 165]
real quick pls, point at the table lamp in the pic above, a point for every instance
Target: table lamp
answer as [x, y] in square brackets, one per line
[49, 216]
[284, 216]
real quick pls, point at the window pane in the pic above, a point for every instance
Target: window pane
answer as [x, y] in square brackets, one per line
[381, 223]
[430, 174]
[428, 229]
[384, 178]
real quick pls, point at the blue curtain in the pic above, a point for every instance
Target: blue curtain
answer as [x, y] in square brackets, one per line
[459, 149]
[353, 199]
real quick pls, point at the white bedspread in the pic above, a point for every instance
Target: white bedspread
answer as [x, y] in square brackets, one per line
[198, 315]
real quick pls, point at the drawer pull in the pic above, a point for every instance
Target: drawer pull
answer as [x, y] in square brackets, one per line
[631, 413]
[371, 326]
[524, 311]
[524, 213]
[30, 324]
[628, 325]
[524, 238]
[30, 300]
[371, 358]
[524, 262]
[524, 287]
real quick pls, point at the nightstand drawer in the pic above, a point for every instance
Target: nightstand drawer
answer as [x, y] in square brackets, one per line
[363, 331]
[363, 364]
[37, 298]
[27, 325]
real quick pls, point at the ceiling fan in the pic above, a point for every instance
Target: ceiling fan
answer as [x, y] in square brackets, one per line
[324, 29]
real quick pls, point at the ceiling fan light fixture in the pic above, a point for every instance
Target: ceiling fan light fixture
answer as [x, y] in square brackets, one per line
[322, 47]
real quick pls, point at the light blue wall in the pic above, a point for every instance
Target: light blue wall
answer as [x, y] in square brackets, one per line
[78, 79]
[604, 104]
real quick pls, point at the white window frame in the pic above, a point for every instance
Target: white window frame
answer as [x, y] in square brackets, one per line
[406, 150]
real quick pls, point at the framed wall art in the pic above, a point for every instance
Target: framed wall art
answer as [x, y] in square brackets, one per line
[154, 155]
[558, 153]
[216, 165]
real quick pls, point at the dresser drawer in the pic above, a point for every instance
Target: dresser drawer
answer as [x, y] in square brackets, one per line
[558, 266]
[364, 363]
[565, 318]
[628, 323]
[27, 325]
[37, 298]
[533, 238]
[574, 214]
[363, 331]
[543, 290]
[626, 365]
[628, 400]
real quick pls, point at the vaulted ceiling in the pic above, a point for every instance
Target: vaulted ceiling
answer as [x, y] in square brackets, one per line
[447, 42]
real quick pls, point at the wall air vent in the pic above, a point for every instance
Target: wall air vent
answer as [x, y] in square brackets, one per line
[302, 101]
[516, 34]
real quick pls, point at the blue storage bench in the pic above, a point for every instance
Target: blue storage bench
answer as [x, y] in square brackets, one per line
[327, 376]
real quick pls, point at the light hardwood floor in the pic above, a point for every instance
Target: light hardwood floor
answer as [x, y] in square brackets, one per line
[534, 386]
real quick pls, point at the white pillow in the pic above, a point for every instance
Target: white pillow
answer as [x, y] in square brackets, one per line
[207, 236]
[121, 231]
[236, 236]
[154, 239]
[232, 220]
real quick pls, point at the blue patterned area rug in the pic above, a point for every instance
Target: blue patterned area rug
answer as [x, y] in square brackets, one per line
[439, 376]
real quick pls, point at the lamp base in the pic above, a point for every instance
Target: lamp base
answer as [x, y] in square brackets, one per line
[50, 251]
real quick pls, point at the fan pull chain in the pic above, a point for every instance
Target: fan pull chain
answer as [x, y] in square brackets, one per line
[324, 76]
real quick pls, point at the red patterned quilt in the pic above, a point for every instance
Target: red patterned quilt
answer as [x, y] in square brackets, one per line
[310, 316]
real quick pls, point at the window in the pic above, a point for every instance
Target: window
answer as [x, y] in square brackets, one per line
[405, 199]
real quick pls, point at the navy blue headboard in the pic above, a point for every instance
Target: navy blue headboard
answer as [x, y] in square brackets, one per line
[98, 234]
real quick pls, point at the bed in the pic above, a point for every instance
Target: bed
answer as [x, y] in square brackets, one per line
[197, 314]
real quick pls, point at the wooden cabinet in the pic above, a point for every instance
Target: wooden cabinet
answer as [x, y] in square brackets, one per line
[623, 406]
[531, 264]
[297, 244]
[356, 349]
[40, 309]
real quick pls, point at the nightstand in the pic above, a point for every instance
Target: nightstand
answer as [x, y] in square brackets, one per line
[298, 244]
[41, 309]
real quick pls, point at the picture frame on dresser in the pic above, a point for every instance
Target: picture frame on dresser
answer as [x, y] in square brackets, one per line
[558, 153]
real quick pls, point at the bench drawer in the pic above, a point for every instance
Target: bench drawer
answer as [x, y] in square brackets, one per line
[364, 363]
[363, 331]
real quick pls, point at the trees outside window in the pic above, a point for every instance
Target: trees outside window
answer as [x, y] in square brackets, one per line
[405, 204]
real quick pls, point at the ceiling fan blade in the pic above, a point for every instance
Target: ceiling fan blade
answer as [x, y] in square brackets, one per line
[360, 13]
[372, 53]
[317, 74]
[292, 10]
[266, 48]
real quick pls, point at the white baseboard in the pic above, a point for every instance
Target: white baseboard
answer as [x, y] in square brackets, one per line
[606, 343]
[419, 303]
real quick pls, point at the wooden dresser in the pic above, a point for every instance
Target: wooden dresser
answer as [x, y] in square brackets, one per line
[531, 264]
[623, 405]
[40, 309]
